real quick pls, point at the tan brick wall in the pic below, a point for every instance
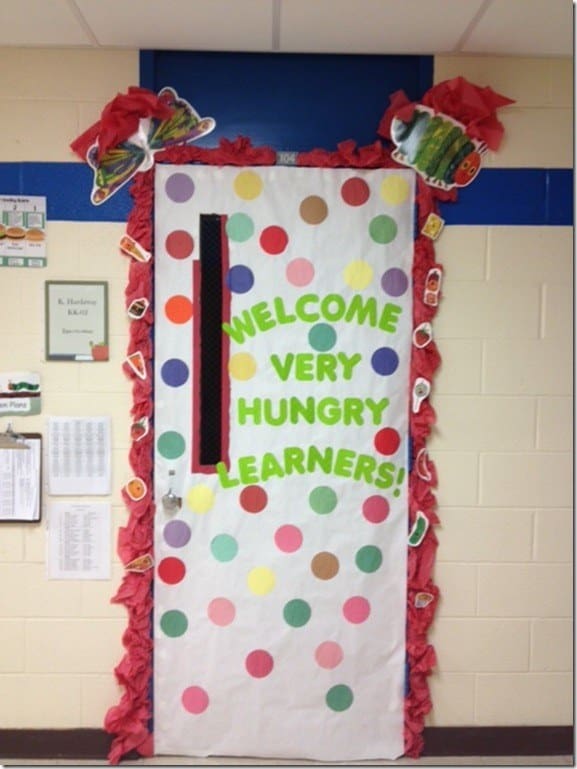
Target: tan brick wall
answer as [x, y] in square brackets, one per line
[502, 446]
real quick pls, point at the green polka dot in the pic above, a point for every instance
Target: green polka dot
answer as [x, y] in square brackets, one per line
[224, 547]
[239, 227]
[174, 623]
[369, 558]
[383, 229]
[339, 697]
[323, 500]
[171, 445]
[297, 613]
[322, 337]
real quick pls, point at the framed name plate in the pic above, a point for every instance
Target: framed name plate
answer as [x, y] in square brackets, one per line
[76, 321]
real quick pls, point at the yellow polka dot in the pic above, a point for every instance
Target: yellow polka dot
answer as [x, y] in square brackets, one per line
[261, 580]
[200, 498]
[358, 274]
[395, 190]
[242, 366]
[248, 185]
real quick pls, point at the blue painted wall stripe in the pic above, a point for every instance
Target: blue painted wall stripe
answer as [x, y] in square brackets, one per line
[515, 196]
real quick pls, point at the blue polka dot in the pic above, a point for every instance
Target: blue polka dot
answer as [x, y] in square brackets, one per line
[385, 361]
[174, 372]
[240, 279]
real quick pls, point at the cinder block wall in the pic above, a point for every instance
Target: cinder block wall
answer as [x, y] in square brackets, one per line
[503, 443]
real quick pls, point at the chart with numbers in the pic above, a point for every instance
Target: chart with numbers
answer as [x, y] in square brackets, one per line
[22, 231]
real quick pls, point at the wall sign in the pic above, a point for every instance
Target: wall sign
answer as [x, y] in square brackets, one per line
[76, 321]
[22, 231]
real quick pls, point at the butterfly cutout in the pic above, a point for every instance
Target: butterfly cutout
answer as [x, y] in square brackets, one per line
[119, 164]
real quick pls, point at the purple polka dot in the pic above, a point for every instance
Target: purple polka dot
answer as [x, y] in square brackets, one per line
[176, 533]
[174, 372]
[240, 279]
[385, 361]
[179, 187]
[394, 282]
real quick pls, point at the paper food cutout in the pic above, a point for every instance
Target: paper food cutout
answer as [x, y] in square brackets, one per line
[139, 429]
[437, 148]
[422, 600]
[136, 489]
[141, 563]
[419, 529]
[422, 335]
[137, 364]
[120, 163]
[132, 248]
[137, 308]
[421, 390]
[433, 287]
[422, 465]
[433, 226]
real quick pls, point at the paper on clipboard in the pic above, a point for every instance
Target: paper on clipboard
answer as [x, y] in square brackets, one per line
[20, 481]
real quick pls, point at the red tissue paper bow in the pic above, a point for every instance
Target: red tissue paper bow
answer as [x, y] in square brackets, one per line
[120, 119]
[474, 107]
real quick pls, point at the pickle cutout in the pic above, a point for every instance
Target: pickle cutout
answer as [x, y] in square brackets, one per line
[419, 529]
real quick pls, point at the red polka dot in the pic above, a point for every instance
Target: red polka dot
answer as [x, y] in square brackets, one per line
[355, 191]
[253, 499]
[387, 441]
[179, 244]
[195, 700]
[273, 240]
[259, 663]
[376, 509]
[171, 570]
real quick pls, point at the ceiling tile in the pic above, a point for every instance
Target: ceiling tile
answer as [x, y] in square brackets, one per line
[375, 26]
[231, 25]
[40, 23]
[524, 27]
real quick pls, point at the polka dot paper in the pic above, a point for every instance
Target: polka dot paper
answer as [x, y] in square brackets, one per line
[280, 585]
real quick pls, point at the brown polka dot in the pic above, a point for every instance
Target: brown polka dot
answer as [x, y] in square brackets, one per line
[325, 565]
[313, 210]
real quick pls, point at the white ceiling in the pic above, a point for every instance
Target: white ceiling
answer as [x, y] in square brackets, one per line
[500, 27]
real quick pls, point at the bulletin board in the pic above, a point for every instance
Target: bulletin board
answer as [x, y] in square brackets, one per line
[280, 541]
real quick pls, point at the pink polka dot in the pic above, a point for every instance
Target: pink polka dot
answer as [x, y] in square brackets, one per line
[179, 244]
[171, 570]
[288, 538]
[376, 509]
[195, 700]
[300, 272]
[259, 663]
[356, 609]
[328, 655]
[221, 611]
[253, 499]
[387, 441]
[273, 240]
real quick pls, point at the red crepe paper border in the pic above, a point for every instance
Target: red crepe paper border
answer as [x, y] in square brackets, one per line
[129, 721]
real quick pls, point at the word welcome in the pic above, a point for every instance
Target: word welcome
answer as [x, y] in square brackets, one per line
[310, 308]
[327, 411]
[295, 460]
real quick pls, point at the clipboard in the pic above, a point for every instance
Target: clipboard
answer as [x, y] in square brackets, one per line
[20, 477]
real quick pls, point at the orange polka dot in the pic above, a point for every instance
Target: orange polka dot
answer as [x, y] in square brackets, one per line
[178, 309]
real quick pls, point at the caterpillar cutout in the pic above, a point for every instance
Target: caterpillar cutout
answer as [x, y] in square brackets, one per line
[437, 147]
